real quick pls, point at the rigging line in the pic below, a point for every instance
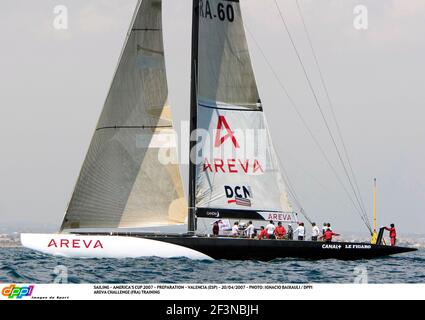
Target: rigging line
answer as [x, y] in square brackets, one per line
[294, 195]
[320, 109]
[322, 79]
[296, 200]
[292, 103]
[301, 208]
[358, 196]
[309, 175]
[290, 187]
[286, 179]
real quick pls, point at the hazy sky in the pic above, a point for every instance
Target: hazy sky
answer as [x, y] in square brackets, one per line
[54, 82]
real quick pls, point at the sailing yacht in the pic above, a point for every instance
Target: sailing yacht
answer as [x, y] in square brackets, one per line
[125, 185]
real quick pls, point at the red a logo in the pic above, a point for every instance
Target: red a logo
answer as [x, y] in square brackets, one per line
[220, 140]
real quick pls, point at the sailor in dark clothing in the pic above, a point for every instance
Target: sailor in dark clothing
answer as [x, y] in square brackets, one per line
[216, 228]
[290, 233]
[325, 227]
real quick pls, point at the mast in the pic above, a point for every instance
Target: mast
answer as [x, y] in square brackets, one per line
[374, 206]
[193, 115]
[374, 234]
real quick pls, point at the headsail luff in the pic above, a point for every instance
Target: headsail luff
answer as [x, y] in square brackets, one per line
[237, 171]
[122, 182]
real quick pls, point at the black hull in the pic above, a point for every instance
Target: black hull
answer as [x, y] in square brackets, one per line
[265, 250]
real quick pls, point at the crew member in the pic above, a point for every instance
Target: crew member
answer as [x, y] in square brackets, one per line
[270, 230]
[235, 229]
[301, 231]
[216, 228]
[290, 234]
[324, 228]
[314, 232]
[280, 231]
[393, 234]
[263, 233]
[328, 235]
[249, 230]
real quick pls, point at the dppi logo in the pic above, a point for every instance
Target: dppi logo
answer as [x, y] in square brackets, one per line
[216, 165]
[13, 291]
[239, 195]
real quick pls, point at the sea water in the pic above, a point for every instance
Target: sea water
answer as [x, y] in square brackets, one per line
[21, 265]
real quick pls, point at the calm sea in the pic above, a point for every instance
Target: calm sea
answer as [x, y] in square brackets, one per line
[20, 265]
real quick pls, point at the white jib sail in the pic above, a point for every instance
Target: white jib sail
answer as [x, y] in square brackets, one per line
[237, 171]
[122, 182]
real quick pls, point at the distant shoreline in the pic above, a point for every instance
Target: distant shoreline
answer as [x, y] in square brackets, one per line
[10, 240]
[10, 246]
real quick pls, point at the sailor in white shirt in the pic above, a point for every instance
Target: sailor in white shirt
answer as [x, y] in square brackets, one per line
[249, 231]
[270, 230]
[315, 232]
[235, 229]
[301, 231]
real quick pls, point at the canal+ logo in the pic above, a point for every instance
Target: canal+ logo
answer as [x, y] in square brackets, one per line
[15, 292]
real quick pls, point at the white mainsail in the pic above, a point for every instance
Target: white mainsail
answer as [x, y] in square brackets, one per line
[237, 173]
[122, 182]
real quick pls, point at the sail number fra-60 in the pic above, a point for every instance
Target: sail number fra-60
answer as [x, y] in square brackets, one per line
[223, 12]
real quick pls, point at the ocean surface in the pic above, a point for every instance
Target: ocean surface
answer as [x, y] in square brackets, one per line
[20, 265]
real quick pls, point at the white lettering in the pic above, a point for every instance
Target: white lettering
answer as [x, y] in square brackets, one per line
[61, 20]
[360, 21]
